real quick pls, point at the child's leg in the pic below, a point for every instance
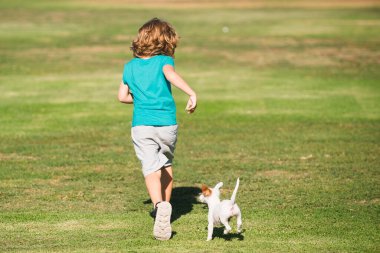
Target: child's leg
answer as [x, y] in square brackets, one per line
[166, 183]
[153, 184]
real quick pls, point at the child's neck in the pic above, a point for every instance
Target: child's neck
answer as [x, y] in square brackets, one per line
[146, 57]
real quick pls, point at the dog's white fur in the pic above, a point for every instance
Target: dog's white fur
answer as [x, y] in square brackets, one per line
[220, 211]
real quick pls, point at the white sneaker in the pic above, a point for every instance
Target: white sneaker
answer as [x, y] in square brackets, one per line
[162, 229]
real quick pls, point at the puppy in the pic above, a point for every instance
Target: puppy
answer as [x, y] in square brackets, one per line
[220, 211]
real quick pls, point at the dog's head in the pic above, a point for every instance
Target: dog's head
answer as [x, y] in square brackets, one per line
[208, 193]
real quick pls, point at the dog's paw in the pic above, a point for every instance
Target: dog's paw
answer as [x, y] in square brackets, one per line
[226, 231]
[209, 239]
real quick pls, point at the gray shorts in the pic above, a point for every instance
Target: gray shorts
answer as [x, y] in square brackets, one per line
[154, 146]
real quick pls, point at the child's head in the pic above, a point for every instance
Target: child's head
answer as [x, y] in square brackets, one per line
[155, 37]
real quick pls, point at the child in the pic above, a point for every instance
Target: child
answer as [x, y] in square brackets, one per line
[146, 84]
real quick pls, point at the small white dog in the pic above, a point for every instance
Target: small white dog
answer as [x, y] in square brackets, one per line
[220, 212]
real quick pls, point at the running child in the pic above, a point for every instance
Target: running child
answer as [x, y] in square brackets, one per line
[146, 84]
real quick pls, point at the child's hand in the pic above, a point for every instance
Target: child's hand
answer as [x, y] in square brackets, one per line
[191, 104]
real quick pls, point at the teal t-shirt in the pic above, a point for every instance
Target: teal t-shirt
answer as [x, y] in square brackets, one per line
[152, 96]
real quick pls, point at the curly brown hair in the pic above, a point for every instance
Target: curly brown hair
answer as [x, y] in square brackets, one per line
[155, 37]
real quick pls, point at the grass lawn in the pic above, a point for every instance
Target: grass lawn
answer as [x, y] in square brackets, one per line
[289, 101]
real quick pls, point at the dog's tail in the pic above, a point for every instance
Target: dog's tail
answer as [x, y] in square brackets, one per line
[235, 191]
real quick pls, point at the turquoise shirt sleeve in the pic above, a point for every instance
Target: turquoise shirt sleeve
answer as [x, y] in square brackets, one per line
[126, 75]
[167, 60]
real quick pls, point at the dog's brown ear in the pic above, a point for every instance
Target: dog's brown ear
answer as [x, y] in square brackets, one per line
[206, 191]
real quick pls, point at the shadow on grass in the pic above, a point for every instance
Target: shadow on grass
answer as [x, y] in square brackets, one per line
[182, 200]
[218, 232]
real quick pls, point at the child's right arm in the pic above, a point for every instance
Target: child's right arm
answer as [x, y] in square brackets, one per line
[124, 95]
[178, 82]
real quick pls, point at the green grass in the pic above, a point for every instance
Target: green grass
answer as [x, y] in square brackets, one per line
[289, 101]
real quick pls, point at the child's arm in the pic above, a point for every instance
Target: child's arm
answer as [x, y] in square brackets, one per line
[124, 95]
[178, 82]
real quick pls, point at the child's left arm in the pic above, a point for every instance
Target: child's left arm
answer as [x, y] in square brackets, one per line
[124, 95]
[177, 81]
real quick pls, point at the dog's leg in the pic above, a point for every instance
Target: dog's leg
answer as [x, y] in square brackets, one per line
[237, 212]
[210, 226]
[210, 230]
[227, 226]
